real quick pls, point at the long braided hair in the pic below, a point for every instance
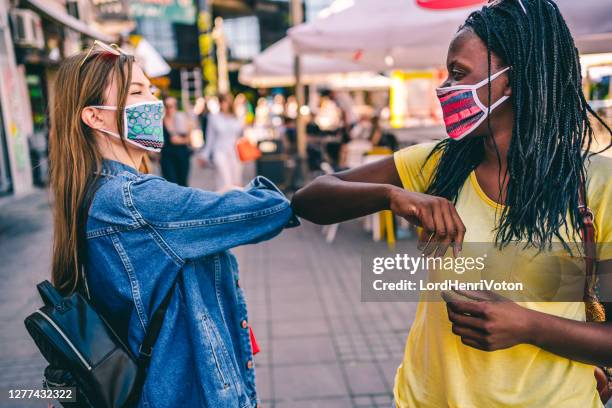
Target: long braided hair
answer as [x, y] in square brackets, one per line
[551, 133]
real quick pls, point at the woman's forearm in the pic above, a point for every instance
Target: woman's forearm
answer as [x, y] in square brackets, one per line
[588, 342]
[375, 187]
[329, 199]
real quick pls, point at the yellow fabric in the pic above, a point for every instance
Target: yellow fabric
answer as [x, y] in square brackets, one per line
[439, 371]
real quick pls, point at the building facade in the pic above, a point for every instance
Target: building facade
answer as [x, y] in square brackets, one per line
[35, 35]
[17, 127]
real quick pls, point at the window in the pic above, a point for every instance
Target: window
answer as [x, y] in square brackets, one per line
[160, 33]
[314, 7]
[242, 36]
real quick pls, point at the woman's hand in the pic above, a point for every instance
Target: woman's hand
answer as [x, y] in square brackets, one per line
[488, 321]
[438, 217]
[603, 385]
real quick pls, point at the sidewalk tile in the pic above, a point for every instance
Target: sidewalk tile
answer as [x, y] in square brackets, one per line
[303, 350]
[309, 381]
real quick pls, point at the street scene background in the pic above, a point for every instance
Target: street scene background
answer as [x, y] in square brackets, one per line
[316, 86]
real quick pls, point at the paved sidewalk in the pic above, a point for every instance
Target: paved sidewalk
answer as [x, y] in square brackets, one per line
[320, 346]
[25, 252]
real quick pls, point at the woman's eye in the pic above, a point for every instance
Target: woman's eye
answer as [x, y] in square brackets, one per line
[456, 74]
[136, 93]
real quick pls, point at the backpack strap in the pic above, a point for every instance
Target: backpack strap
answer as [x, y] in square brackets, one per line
[155, 325]
[48, 293]
[146, 347]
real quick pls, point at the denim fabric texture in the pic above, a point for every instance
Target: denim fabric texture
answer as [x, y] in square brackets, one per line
[142, 233]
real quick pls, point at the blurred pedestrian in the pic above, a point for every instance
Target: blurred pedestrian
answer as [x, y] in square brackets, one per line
[262, 112]
[176, 153]
[223, 131]
[381, 138]
[363, 128]
[243, 109]
[200, 110]
[127, 238]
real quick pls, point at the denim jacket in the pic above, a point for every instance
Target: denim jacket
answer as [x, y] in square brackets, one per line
[142, 233]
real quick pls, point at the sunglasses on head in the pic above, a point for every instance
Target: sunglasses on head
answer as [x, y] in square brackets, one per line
[492, 3]
[113, 49]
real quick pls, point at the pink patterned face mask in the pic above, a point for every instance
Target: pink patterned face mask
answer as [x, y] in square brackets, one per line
[462, 109]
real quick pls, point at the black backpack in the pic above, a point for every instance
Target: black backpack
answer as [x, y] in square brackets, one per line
[84, 352]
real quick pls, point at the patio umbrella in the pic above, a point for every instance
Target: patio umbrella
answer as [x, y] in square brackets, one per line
[274, 67]
[381, 35]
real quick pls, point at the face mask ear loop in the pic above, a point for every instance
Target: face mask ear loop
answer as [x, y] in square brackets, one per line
[108, 132]
[499, 102]
[503, 98]
[490, 79]
[103, 107]
[479, 85]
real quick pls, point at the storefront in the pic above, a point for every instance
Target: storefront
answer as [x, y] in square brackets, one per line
[36, 80]
[33, 40]
[15, 167]
[5, 174]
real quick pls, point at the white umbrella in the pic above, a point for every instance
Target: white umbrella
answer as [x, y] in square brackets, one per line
[274, 67]
[400, 34]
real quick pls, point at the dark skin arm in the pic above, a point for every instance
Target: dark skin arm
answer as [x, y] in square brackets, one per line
[375, 187]
[355, 193]
[495, 323]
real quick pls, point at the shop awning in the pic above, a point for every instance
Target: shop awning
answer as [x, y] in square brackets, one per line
[275, 67]
[400, 34]
[62, 17]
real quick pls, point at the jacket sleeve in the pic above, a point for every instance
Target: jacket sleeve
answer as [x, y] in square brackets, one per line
[194, 223]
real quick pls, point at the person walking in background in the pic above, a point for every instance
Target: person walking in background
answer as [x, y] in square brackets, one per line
[223, 131]
[176, 153]
[243, 109]
[200, 111]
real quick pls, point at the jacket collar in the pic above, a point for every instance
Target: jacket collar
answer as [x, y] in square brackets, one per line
[113, 168]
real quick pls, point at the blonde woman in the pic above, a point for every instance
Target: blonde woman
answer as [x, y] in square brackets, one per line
[138, 236]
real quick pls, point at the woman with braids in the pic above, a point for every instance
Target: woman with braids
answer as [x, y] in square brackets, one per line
[511, 171]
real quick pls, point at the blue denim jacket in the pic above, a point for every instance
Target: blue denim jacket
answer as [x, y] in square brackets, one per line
[142, 232]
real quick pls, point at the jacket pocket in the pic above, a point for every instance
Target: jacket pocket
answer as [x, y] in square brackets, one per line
[212, 339]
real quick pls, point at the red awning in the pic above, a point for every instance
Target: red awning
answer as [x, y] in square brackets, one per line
[447, 4]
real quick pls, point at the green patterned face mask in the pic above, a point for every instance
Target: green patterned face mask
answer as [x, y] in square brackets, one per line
[143, 124]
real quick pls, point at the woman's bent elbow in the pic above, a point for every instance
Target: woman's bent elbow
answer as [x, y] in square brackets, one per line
[305, 204]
